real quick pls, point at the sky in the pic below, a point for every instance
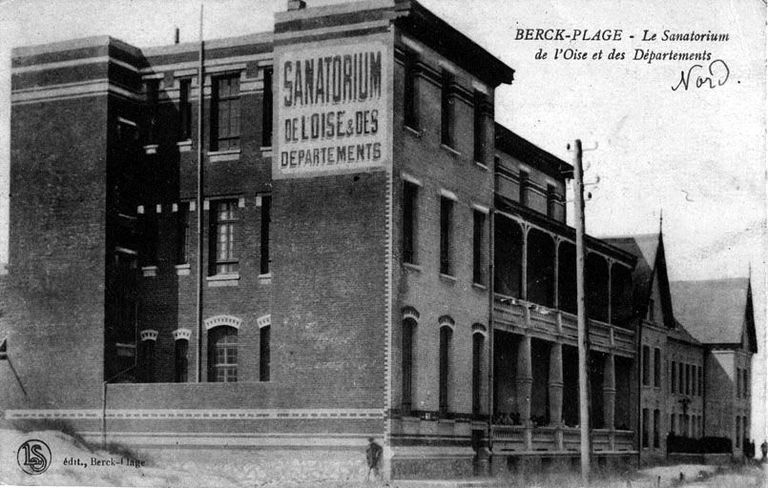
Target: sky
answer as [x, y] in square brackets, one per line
[697, 155]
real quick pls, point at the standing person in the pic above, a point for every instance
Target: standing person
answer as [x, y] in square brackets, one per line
[764, 449]
[373, 455]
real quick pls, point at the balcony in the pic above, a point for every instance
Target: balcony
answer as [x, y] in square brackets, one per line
[511, 439]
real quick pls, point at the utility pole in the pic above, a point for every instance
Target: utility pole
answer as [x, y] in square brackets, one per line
[583, 333]
[200, 202]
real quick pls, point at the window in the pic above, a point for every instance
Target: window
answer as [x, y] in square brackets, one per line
[153, 98]
[185, 109]
[180, 361]
[687, 379]
[656, 428]
[410, 193]
[266, 219]
[746, 383]
[646, 366]
[657, 367]
[182, 233]
[479, 245]
[477, 374]
[266, 112]
[223, 257]
[446, 110]
[701, 381]
[410, 105]
[693, 379]
[651, 309]
[225, 113]
[445, 347]
[523, 189]
[681, 378]
[151, 237]
[147, 361]
[672, 423]
[480, 130]
[738, 431]
[409, 336]
[446, 229]
[646, 427]
[551, 201]
[673, 378]
[222, 354]
[265, 357]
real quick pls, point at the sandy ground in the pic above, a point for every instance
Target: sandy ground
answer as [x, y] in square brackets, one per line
[74, 464]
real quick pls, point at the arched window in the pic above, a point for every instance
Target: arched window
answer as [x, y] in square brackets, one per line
[222, 354]
[409, 341]
[446, 334]
[478, 341]
[265, 356]
[147, 356]
[180, 361]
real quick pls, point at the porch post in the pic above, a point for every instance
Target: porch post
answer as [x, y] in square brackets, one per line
[609, 397]
[524, 385]
[556, 392]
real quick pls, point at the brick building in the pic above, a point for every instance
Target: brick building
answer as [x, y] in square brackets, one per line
[380, 258]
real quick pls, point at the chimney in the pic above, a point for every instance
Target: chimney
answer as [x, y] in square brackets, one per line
[296, 5]
[176, 36]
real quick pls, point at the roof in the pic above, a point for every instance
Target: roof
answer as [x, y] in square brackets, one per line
[681, 334]
[529, 153]
[716, 311]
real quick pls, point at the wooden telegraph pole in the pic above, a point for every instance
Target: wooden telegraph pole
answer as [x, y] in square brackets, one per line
[583, 333]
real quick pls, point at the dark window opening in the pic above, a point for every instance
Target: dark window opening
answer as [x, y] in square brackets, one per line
[223, 255]
[180, 361]
[524, 182]
[266, 219]
[222, 355]
[656, 367]
[646, 366]
[410, 193]
[409, 336]
[151, 237]
[410, 105]
[446, 110]
[225, 113]
[672, 378]
[478, 248]
[265, 356]
[445, 346]
[480, 128]
[477, 375]
[266, 114]
[646, 427]
[147, 361]
[182, 233]
[153, 99]
[185, 109]
[446, 229]
[656, 428]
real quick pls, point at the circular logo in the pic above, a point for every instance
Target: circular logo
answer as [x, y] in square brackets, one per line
[34, 456]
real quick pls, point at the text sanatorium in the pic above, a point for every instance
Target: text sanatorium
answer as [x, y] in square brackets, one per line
[321, 88]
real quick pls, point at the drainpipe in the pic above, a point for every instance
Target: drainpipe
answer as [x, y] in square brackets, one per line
[491, 285]
[200, 204]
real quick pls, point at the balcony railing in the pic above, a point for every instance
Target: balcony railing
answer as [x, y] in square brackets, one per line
[512, 438]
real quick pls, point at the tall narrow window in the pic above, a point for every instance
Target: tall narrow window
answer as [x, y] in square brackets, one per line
[446, 110]
[225, 113]
[523, 188]
[222, 354]
[410, 194]
[222, 237]
[151, 238]
[681, 378]
[265, 356]
[153, 100]
[147, 358]
[551, 201]
[409, 336]
[480, 127]
[646, 427]
[687, 379]
[746, 383]
[410, 100]
[185, 109]
[266, 110]
[182, 233]
[180, 360]
[656, 367]
[673, 378]
[478, 248]
[477, 371]
[446, 229]
[646, 366]
[672, 423]
[266, 219]
[656, 428]
[738, 431]
[445, 347]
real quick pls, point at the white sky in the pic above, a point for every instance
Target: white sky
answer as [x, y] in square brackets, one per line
[699, 155]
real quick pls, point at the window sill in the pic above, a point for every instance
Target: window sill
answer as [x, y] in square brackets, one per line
[229, 155]
[150, 149]
[451, 150]
[266, 151]
[479, 286]
[449, 278]
[149, 271]
[223, 280]
[412, 267]
[481, 165]
[183, 269]
[184, 146]
[414, 132]
[265, 279]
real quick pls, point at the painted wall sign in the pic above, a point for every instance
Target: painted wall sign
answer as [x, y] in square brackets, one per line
[331, 109]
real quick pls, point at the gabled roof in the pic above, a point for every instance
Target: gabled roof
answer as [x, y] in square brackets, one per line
[531, 154]
[651, 261]
[717, 311]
